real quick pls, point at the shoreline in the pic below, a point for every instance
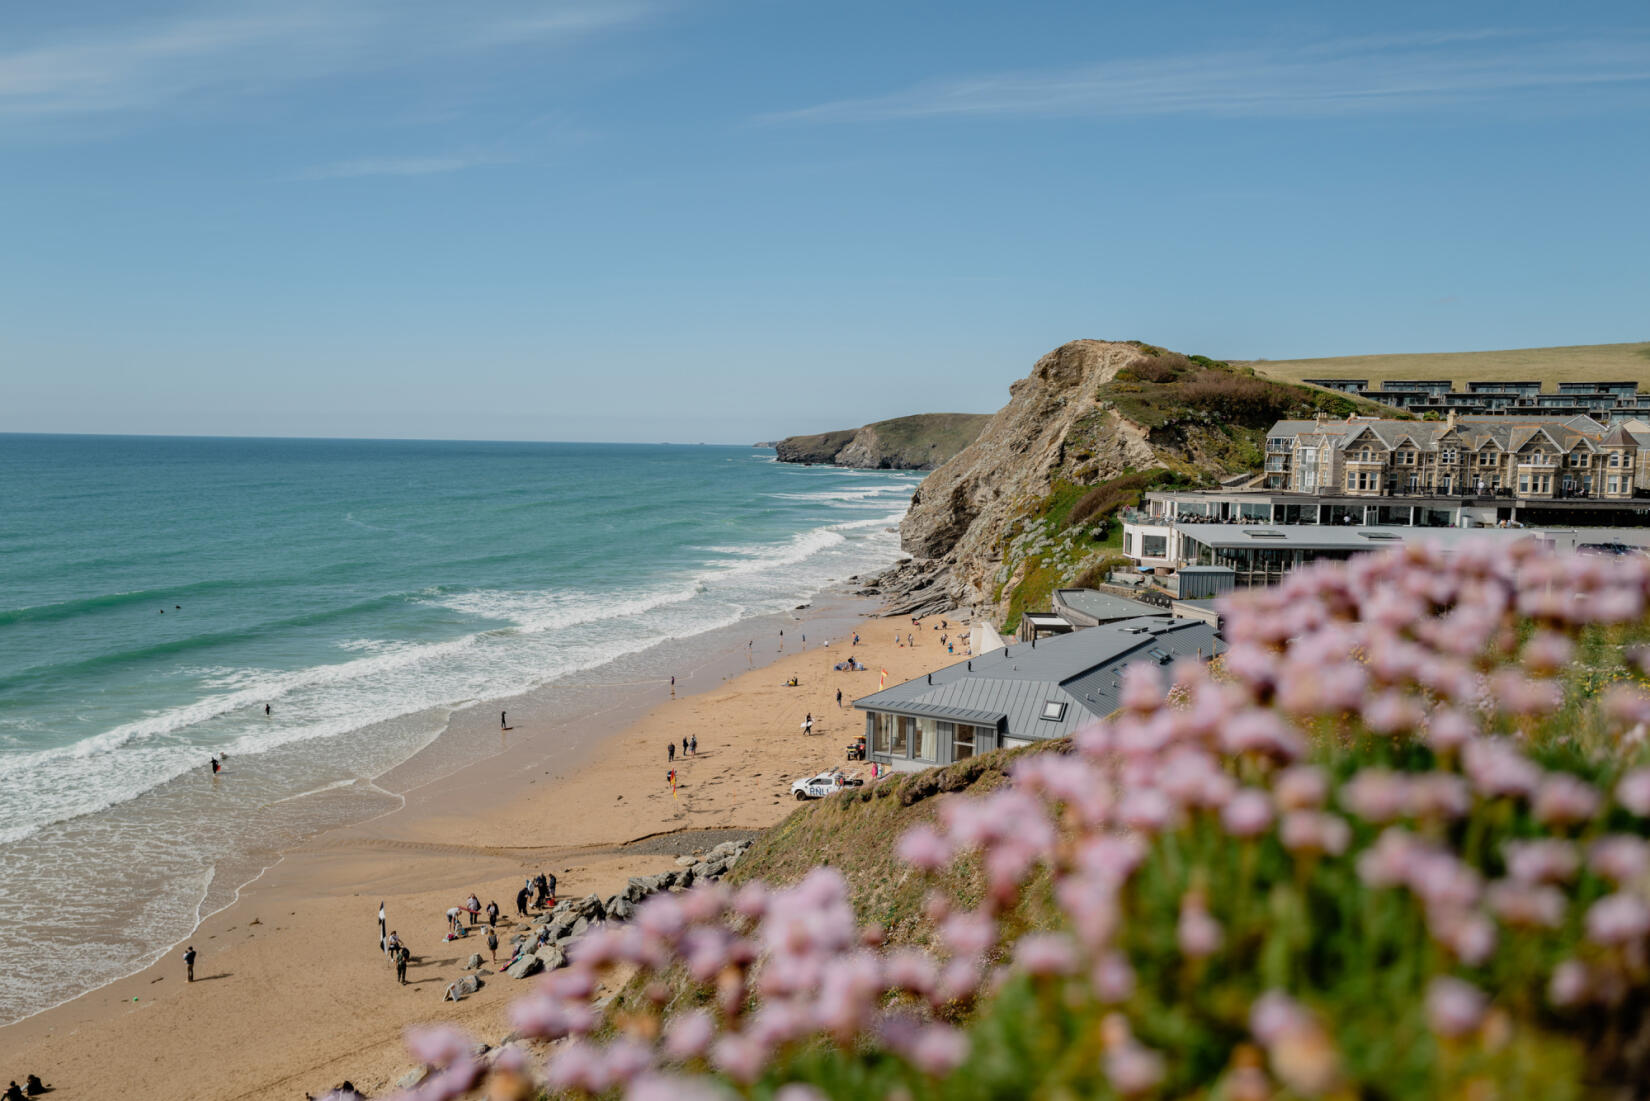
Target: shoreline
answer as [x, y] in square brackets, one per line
[465, 732]
[551, 800]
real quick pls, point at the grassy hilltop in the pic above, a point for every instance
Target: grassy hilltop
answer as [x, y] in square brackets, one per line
[1577, 363]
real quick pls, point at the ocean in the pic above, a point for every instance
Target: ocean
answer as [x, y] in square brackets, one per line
[157, 593]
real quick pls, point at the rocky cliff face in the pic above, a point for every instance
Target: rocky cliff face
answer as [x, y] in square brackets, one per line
[1029, 504]
[921, 442]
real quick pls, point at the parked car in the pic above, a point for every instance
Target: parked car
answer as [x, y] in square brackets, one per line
[826, 783]
[1608, 548]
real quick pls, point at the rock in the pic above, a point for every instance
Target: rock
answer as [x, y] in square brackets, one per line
[725, 849]
[551, 956]
[919, 442]
[525, 966]
[466, 986]
[474, 962]
[589, 907]
[710, 869]
[412, 1078]
[686, 861]
[579, 926]
[621, 909]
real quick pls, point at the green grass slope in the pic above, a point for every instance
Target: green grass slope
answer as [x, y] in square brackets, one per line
[1577, 363]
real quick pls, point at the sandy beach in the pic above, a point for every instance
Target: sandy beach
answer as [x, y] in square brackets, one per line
[292, 994]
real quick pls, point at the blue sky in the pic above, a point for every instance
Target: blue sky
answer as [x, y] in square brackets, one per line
[724, 221]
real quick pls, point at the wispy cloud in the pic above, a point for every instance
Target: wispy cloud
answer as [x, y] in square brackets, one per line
[1346, 76]
[202, 62]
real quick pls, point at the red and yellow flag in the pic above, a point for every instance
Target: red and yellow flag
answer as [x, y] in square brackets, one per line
[883, 683]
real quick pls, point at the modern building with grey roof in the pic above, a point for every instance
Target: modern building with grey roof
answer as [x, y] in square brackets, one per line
[1023, 693]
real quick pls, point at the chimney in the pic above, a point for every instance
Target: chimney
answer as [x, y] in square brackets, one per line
[930, 678]
[1449, 420]
[1321, 419]
[970, 666]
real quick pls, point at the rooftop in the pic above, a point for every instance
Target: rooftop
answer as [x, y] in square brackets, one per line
[1081, 672]
[1101, 606]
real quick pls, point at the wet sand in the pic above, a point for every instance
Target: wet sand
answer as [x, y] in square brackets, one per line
[292, 994]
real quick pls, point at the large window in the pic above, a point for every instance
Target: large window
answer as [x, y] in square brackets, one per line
[882, 731]
[1128, 542]
[962, 742]
[904, 730]
[1154, 546]
[926, 741]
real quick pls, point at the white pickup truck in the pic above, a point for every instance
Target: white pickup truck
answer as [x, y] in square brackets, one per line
[826, 783]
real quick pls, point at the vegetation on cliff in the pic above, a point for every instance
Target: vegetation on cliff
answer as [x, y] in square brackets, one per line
[920, 442]
[1032, 503]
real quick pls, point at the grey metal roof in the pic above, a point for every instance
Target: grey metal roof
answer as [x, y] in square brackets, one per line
[1509, 432]
[1081, 670]
[1100, 606]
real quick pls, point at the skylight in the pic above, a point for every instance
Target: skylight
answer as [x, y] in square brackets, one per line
[1053, 710]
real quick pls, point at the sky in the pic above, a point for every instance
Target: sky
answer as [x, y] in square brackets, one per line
[723, 221]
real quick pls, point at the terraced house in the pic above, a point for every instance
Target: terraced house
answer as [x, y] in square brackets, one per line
[1521, 457]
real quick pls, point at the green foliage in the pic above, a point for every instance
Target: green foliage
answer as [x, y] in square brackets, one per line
[1174, 389]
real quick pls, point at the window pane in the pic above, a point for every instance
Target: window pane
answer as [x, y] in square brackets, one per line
[927, 740]
[962, 743]
[901, 744]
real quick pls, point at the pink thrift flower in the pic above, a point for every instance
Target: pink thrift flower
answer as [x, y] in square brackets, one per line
[1619, 857]
[1314, 831]
[1275, 1015]
[1618, 919]
[937, 1049]
[1547, 652]
[1142, 688]
[1439, 796]
[1247, 814]
[1376, 795]
[739, 1057]
[1448, 730]
[1570, 985]
[1113, 979]
[1045, 954]
[923, 848]
[1454, 1008]
[689, 1035]
[1563, 800]
[1134, 1070]
[1301, 787]
[1541, 861]
[1519, 903]
[437, 1045]
[1633, 792]
[1198, 934]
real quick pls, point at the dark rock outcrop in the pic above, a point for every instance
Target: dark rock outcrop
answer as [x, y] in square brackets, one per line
[922, 442]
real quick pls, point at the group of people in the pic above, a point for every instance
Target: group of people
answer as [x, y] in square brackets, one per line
[690, 744]
[31, 1087]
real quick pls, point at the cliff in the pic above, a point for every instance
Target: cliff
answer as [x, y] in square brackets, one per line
[922, 442]
[1031, 503]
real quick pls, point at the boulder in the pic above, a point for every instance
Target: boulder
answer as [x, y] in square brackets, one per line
[686, 861]
[413, 1078]
[466, 986]
[589, 907]
[621, 909]
[525, 966]
[474, 962]
[551, 956]
[725, 849]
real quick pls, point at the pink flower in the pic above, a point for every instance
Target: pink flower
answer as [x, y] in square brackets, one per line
[936, 1049]
[1393, 713]
[1142, 688]
[739, 1057]
[1454, 1008]
[1198, 934]
[1376, 795]
[1301, 787]
[1497, 769]
[1275, 1015]
[1519, 903]
[1263, 733]
[1563, 800]
[1134, 1070]
[1045, 954]
[1247, 814]
[689, 1035]
[1543, 861]
[1619, 857]
[1314, 831]
[1618, 919]
[437, 1045]
[923, 848]
[1387, 862]
[1449, 730]
[1633, 792]
[1439, 796]
[1547, 652]
[969, 934]
[1113, 979]
[1570, 984]
[910, 969]
[1470, 936]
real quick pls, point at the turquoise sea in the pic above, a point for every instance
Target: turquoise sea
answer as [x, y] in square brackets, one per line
[157, 593]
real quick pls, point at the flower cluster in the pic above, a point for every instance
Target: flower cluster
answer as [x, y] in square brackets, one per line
[1398, 827]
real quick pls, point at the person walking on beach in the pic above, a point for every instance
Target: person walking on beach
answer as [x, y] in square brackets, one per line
[670, 752]
[492, 944]
[693, 745]
[673, 686]
[402, 955]
[473, 905]
[492, 912]
[521, 901]
[808, 724]
[684, 745]
[216, 767]
[189, 962]
[502, 725]
[266, 711]
[781, 642]
[839, 698]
